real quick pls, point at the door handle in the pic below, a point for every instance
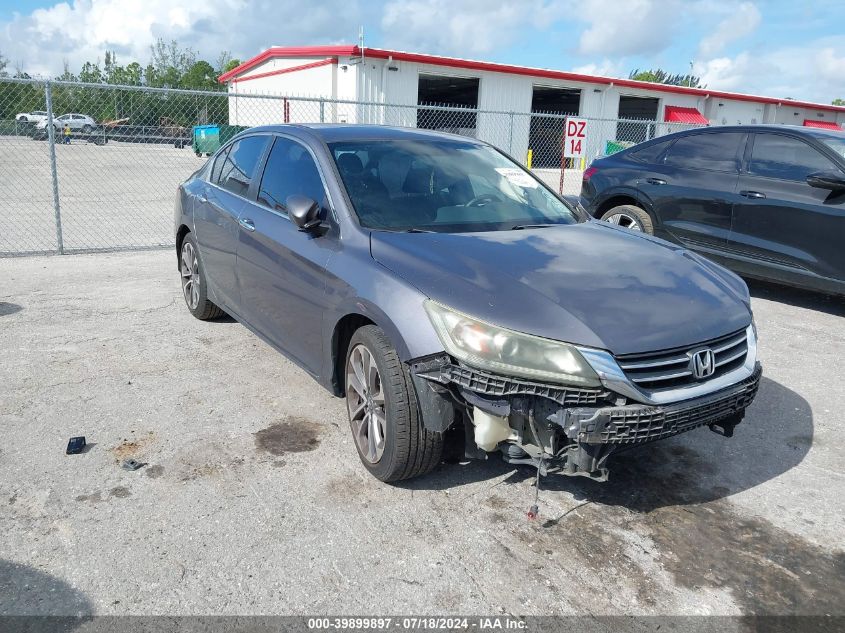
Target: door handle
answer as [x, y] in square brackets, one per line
[202, 198]
[752, 194]
[247, 224]
[655, 181]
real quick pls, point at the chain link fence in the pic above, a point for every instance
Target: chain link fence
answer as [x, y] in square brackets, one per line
[95, 167]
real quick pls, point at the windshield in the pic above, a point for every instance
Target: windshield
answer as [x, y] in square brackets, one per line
[443, 185]
[834, 143]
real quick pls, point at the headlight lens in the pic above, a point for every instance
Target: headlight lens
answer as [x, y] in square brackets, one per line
[504, 351]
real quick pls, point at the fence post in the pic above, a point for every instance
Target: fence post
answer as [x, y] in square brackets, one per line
[51, 139]
[510, 136]
[322, 111]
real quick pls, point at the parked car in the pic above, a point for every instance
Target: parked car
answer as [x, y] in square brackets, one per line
[766, 201]
[77, 122]
[457, 303]
[36, 116]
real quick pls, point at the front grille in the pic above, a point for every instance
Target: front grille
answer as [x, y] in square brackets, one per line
[669, 369]
[639, 424]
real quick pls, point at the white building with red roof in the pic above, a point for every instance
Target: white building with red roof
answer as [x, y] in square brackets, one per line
[346, 73]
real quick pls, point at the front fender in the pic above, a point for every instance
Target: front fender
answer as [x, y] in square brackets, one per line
[368, 289]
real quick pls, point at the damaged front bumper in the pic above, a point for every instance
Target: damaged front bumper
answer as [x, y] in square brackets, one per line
[570, 429]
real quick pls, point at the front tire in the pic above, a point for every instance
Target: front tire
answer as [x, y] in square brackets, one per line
[194, 285]
[630, 217]
[391, 440]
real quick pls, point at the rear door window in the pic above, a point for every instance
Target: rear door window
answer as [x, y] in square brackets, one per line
[238, 168]
[218, 166]
[786, 158]
[650, 153]
[290, 170]
[714, 152]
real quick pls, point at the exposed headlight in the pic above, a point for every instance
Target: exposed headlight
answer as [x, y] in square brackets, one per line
[502, 351]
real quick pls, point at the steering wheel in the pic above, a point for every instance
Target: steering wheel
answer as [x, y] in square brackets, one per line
[484, 198]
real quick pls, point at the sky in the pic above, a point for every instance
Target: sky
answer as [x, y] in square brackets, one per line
[775, 48]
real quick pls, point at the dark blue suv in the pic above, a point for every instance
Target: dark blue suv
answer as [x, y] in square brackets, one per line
[768, 201]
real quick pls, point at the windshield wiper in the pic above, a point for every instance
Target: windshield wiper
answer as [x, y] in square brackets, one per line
[520, 227]
[416, 230]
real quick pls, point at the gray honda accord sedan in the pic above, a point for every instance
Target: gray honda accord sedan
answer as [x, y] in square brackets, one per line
[457, 303]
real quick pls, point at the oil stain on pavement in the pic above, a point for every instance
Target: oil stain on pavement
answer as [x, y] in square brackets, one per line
[94, 497]
[293, 435]
[700, 538]
[154, 472]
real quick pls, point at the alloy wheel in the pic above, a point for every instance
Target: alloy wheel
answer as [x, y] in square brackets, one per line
[365, 403]
[625, 220]
[190, 275]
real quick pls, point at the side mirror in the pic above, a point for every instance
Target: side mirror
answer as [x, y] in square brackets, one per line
[304, 212]
[832, 180]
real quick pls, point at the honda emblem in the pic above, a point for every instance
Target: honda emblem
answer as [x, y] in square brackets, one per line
[703, 363]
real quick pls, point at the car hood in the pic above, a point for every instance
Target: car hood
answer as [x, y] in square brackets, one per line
[591, 284]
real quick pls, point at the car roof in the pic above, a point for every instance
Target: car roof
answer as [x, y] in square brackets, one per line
[793, 129]
[337, 132]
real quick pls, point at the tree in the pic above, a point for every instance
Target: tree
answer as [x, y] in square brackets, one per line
[20, 73]
[233, 63]
[109, 65]
[3, 63]
[200, 76]
[169, 63]
[223, 60]
[660, 76]
[66, 74]
[839, 102]
[91, 73]
[134, 74]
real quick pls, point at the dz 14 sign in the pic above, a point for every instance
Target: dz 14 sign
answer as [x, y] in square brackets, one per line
[575, 138]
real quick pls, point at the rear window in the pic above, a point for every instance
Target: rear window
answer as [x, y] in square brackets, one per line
[650, 153]
[238, 169]
[715, 152]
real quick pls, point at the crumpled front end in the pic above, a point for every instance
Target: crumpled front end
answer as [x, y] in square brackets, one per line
[574, 430]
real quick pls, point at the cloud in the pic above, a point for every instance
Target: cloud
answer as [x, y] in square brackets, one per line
[831, 67]
[604, 68]
[469, 27]
[811, 72]
[743, 21]
[84, 29]
[638, 27]
[726, 73]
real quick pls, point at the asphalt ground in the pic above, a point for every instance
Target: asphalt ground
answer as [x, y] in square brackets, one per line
[252, 499]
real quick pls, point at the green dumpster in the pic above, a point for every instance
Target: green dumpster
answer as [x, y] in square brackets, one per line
[616, 146]
[228, 131]
[208, 138]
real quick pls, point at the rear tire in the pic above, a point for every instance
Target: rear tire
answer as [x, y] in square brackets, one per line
[194, 285]
[387, 428]
[630, 217]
